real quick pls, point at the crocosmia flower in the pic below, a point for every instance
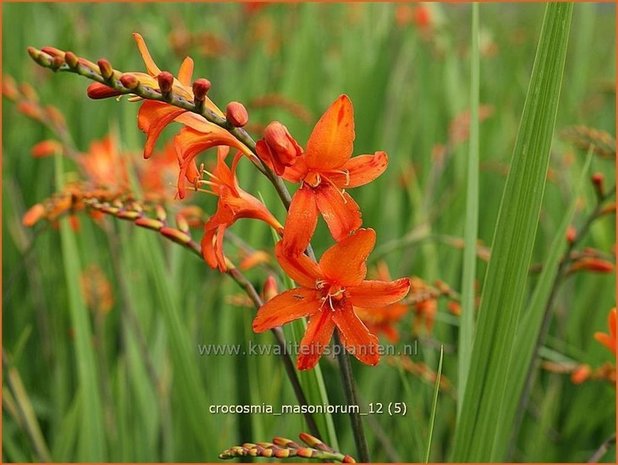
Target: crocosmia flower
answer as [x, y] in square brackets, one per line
[324, 171]
[328, 292]
[234, 203]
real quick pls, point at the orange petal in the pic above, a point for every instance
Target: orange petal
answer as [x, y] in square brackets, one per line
[300, 268]
[152, 118]
[301, 221]
[344, 263]
[359, 171]
[606, 340]
[316, 339]
[339, 210]
[151, 66]
[185, 73]
[297, 171]
[212, 244]
[378, 293]
[355, 336]
[331, 142]
[286, 307]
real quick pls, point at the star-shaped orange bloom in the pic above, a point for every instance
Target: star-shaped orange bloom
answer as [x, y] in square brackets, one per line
[609, 340]
[234, 203]
[383, 319]
[325, 170]
[327, 294]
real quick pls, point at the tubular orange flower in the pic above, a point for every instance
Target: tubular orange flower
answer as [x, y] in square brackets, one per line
[327, 294]
[197, 135]
[234, 203]
[609, 340]
[324, 171]
[383, 319]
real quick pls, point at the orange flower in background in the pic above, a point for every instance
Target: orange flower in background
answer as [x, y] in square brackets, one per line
[324, 171]
[426, 305]
[383, 319]
[157, 177]
[328, 292]
[104, 165]
[234, 204]
[609, 340]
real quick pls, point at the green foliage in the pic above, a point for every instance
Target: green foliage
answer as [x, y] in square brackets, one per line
[131, 385]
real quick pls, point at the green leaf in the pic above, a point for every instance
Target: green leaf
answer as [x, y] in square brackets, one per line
[532, 321]
[91, 444]
[504, 290]
[466, 328]
[434, 407]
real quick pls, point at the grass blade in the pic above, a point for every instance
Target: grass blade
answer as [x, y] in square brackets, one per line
[434, 407]
[466, 329]
[476, 437]
[91, 443]
[528, 331]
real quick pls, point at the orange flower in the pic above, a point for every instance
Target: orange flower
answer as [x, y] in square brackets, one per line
[104, 165]
[327, 294]
[195, 137]
[609, 340]
[234, 203]
[383, 319]
[324, 171]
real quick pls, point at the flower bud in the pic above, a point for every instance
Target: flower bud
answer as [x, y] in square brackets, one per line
[105, 67]
[278, 148]
[200, 88]
[98, 91]
[166, 82]
[236, 114]
[71, 59]
[571, 234]
[270, 288]
[9, 88]
[46, 148]
[57, 62]
[33, 215]
[580, 374]
[53, 52]
[597, 180]
[129, 81]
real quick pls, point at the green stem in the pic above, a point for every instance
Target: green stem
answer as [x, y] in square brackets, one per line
[349, 390]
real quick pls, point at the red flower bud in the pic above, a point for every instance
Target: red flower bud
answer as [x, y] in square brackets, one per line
[236, 114]
[580, 374]
[278, 148]
[46, 148]
[571, 234]
[106, 68]
[98, 91]
[200, 89]
[71, 59]
[129, 81]
[166, 81]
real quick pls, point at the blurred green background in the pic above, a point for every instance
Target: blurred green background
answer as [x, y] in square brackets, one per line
[408, 83]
